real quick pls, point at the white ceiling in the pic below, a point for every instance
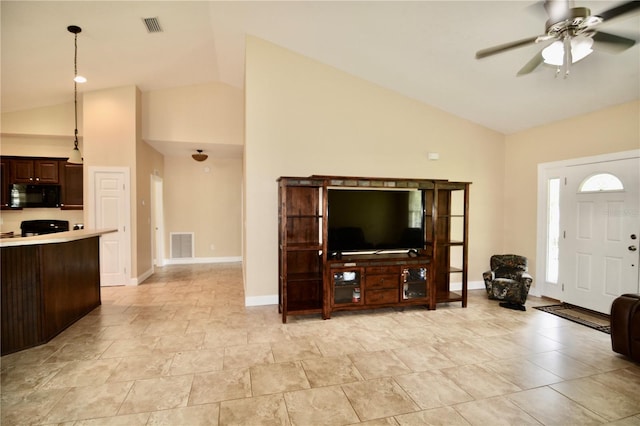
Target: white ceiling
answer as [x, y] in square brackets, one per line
[421, 49]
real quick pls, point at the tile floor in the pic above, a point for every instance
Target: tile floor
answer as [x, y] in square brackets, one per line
[182, 349]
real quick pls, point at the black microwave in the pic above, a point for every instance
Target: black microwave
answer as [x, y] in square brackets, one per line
[24, 196]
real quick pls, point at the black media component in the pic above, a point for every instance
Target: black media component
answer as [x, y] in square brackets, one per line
[363, 220]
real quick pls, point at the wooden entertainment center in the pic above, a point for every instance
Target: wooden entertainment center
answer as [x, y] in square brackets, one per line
[313, 279]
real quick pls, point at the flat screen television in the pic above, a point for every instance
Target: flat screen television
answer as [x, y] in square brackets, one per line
[372, 220]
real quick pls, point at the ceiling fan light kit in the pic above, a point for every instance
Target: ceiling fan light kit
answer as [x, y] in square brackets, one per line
[580, 49]
[574, 34]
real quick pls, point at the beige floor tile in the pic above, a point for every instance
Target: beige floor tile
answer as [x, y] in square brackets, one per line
[257, 411]
[494, 411]
[116, 332]
[89, 402]
[423, 358]
[387, 421]
[432, 389]
[444, 416]
[552, 408]
[321, 406]
[625, 381]
[83, 373]
[197, 361]
[247, 355]
[329, 371]
[126, 420]
[378, 340]
[223, 337]
[378, 398]
[267, 334]
[373, 365]
[197, 415]
[463, 353]
[522, 373]
[562, 365]
[142, 367]
[138, 346]
[295, 350]
[500, 347]
[480, 382]
[336, 346]
[29, 408]
[277, 378]
[603, 400]
[157, 394]
[220, 386]
[24, 378]
[80, 351]
[178, 343]
[182, 349]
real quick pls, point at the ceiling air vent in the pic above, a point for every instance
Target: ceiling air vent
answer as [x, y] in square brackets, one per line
[152, 24]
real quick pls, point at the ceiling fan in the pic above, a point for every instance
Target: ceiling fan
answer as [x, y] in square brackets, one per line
[573, 31]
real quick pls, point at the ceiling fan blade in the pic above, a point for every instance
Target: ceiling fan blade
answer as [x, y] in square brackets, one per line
[531, 65]
[619, 10]
[612, 42]
[557, 10]
[504, 47]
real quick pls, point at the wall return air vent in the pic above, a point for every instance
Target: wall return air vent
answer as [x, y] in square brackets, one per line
[181, 245]
[152, 25]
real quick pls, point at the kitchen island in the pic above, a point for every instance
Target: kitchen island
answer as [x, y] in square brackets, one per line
[48, 282]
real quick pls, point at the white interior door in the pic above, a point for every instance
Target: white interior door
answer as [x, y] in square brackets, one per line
[110, 195]
[599, 246]
[157, 232]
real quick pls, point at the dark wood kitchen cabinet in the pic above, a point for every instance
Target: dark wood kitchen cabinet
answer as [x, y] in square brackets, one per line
[71, 196]
[4, 183]
[35, 171]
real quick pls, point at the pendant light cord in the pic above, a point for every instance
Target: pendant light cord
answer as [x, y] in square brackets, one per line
[75, 90]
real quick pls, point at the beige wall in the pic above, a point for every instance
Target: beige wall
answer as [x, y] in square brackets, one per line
[304, 118]
[206, 203]
[611, 130]
[210, 113]
[204, 198]
[56, 120]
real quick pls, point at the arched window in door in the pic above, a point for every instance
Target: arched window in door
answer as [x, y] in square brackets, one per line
[601, 182]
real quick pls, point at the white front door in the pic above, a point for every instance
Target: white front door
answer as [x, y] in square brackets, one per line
[110, 195]
[600, 234]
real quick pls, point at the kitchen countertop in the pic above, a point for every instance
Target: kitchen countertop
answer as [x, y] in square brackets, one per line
[58, 237]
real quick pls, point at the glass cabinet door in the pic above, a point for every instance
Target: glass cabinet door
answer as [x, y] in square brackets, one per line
[414, 283]
[347, 287]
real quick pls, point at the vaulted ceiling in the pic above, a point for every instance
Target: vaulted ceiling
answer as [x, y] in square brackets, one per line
[421, 49]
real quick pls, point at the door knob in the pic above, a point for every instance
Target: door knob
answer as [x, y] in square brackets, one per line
[633, 248]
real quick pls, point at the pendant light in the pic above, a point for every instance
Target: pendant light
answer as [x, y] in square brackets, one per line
[75, 157]
[199, 156]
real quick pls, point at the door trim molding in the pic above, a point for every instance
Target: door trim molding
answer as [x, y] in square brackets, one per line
[545, 171]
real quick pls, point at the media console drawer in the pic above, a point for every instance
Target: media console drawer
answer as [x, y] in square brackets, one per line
[380, 297]
[381, 281]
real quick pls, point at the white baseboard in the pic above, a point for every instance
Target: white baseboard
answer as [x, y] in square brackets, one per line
[471, 285]
[194, 260]
[271, 299]
[140, 279]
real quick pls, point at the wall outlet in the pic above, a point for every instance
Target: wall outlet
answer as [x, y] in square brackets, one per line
[212, 247]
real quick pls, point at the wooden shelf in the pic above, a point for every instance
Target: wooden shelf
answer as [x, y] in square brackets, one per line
[308, 280]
